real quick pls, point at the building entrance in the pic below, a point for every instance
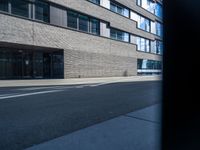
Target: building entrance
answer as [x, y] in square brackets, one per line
[31, 64]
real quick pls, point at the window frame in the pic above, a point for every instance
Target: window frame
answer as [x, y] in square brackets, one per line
[5, 7]
[12, 3]
[118, 6]
[34, 10]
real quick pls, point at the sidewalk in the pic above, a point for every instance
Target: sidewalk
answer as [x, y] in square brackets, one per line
[50, 82]
[139, 130]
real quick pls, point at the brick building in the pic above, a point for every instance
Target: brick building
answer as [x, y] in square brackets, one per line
[80, 38]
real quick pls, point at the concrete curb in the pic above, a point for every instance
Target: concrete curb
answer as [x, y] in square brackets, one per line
[50, 82]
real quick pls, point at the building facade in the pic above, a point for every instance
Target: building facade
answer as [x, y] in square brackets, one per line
[80, 38]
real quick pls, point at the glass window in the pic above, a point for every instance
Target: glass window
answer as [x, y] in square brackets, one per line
[72, 18]
[138, 39]
[95, 26]
[146, 66]
[158, 10]
[4, 5]
[113, 33]
[119, 35]
[159, 47]
[83, 23]
[151, 6]
[113, 7]
[159, 29]
[126, 37]
[142, 23]
[42, 11]
[20, 7]
[95, 1]
[126, 12]
[147, 44]
[139, 2]
[153, 47]
[147, 25]
[119, 9]
[143, 44]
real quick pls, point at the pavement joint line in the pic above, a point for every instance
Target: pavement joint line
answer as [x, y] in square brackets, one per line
[28, 94]
[142, 119]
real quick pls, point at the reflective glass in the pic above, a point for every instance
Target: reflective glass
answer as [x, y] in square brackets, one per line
[72, 18]
[95, 1]
[20, 8]
[83, 23]
[95, 26]
[42, 11]
[3, 5]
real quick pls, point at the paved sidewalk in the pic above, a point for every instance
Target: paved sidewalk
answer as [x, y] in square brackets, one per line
[49, 82]
[139, 130]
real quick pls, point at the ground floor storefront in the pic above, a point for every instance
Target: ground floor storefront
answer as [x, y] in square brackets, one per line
[20, 63]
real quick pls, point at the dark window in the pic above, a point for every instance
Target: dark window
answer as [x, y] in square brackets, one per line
[119, 9]
[119, 35]
[20, 7]
[95, 1]
[4, 5]
[72, 18]
[95, 26]
[21, 64]
[83, 23]
[42, 11]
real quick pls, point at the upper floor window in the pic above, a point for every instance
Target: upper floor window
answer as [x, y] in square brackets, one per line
[72, 19]
[95, 1]
[146, 4]
[42, 11]
[159, 29]
[158, 10]
[119, 9]
[143, 44]
[3, 5]
[159, 47]
[83, 22]
[119, 35]
[20, 8]
[151, 6]
[95, 26]
[142, 22]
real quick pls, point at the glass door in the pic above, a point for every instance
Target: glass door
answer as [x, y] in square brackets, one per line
[47, 63]
[38, 65]
[27, 65]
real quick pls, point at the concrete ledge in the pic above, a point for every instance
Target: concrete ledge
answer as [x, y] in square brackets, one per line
[49, 82]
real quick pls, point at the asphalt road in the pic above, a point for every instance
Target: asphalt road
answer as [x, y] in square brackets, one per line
[32, 115]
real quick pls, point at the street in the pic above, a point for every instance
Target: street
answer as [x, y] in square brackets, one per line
[32, 115]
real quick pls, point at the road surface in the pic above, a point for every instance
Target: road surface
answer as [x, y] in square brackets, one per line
[32, 115]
